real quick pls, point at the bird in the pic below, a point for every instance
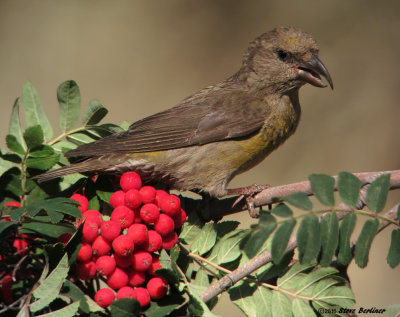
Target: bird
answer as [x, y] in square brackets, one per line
[223, 130]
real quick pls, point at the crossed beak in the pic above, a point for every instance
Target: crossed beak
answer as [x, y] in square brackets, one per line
[311, 70]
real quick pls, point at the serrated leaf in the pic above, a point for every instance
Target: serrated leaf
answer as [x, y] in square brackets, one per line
[329, 237]
[75, 294]
[309, 239]
[393, 257]
[206, 239]
[301, 309]
[377, 193]
[43, 163]
[33, 136]
[94, 113]
[349, 188]
[282, 210]
[266, 220]
[281, 306]
[104, 196]
[67, 311]
[257, 239]
[197, 306]
[225, 227]
[345, 231]
[323, 187]
[49, 288]
[79, 138]
[191, 229]
[341, 296]
[242, 296]
[125, 307]
[5, 165]
[296, 270]
[14, 145]
[15, 124]
[69, 99]
[42, 151]
[45, 229]
[165, 306]
[364, 241]
[34, 113]
[281, 239]
[228, 248]
[299, 200]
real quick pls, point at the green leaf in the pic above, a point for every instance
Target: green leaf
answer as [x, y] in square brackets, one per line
[104, 196]
[299, 200]
[164, 306]
[368, 232]
[301, 309]
[69, 98]
[42, 151]
[94, 113]
[393, 310]
[228, 248]
[349, 188]
[206, 240]
[34, 113]
[329, 237]
[225, 227]
[81, 138]
[393, 257]
[345, 231]
[45, 229]
[266, 220]
[191, 229]
[281, 239]
[14, 145]
[377, 193]
[33, 136]
[323, 187]
[197, 307]
[309, 239]
[6, 227]
[43, 163]
[242, 296]
[49, 288]
[257, 239]
[281, 306]
[15, 124]
[5, 165]
[125, 307]
[67, 311]
[75, 294]
[282, 210]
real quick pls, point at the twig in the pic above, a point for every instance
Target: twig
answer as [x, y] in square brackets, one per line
[266, 257]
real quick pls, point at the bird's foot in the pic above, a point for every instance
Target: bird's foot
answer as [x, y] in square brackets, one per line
[248, 194]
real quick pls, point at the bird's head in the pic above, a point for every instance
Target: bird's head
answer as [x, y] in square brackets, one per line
[285, 58]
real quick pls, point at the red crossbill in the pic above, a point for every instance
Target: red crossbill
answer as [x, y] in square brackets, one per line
[220, 131]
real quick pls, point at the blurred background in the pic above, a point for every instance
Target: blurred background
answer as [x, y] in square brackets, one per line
[140, 57]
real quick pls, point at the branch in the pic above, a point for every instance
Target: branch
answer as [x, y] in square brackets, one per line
[266, 257]
[224, 207]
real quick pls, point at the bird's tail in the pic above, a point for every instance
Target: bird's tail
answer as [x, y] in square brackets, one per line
[81, 167]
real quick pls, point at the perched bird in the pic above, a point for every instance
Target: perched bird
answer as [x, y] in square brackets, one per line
[220, 131]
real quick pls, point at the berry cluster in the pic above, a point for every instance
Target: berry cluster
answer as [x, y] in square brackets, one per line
[124, 249]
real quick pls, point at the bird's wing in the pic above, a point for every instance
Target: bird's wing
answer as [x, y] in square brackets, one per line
[195, 121]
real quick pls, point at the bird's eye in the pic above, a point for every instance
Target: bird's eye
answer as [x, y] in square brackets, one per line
[282, 55]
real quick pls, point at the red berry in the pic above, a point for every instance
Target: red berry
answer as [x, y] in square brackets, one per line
[154, 242]
[90, 231]
[148, 194]
[6, 288]
[117, 198]
[117, 279]
[142, 296]
[157, 287]
[141, 261]
[85, 252]
[170, 204]
[12, 204]
[86, 270]
[123, 261]
[130, 180]
[93, 216]
[164, 224]
[138, 233]
[64, 238]
[169, 240]
[110, 229]
[155, 265]
[82, 200]
[149, 213]
[123, 245]
[126, 291]
[105, 265]
[104, 297]
[133, 198]
[101, 246]
[21, 245]
[136, 278]
[123, 215]
[180, 218]
[159, 195]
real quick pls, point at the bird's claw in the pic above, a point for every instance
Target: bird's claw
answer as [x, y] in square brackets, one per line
[248, 193]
